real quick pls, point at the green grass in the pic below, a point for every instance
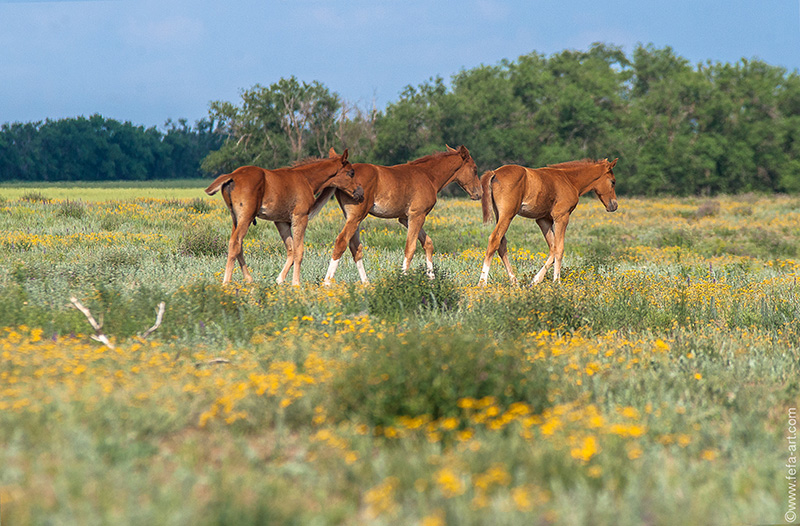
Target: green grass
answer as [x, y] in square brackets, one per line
[99, 191]
[652, 385]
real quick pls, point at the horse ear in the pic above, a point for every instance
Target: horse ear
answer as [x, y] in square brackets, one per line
[449, 149]
[332, 153]
[464, 152]
[613, 163]
[344, 155]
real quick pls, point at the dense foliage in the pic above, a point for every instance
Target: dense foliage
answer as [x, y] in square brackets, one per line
[101, 149]
[678, 128]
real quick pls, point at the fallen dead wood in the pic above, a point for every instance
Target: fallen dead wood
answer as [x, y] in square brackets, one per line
[100, 336]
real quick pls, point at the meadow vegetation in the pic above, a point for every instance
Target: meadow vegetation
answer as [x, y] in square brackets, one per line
[650, 386]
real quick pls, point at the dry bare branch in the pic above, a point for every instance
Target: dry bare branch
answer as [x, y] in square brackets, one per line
[159, 318]
[98, 328]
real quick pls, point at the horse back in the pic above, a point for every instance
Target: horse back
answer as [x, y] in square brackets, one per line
[532, 193]
[395, 190]
[246, 177]
[548, 194]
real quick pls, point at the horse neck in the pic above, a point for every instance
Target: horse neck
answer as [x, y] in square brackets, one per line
[583, 177]
[442, 170]
[316, 173]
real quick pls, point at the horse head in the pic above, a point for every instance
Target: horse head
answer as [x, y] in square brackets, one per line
[344, 179]
[467, 174]
[604, 186]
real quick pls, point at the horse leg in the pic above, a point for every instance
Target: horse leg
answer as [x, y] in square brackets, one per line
[546, 225]
[240, 258]
[414, 225]
[427, 244]
[349, 230]
[357, 250]
[285, 230]
[497, 235]
[299, 224]
[560, 231]
[502, 251]
[236, 253]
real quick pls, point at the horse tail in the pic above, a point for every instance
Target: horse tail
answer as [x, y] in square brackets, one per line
[487, 198]
[214, 187]
[323, 198]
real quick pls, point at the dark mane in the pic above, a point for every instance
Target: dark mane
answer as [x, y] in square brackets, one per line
[431, 157]
[574, 164]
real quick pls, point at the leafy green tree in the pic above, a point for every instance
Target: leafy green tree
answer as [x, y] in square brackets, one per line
[411, 127]
[485, 114]
[96, 148]
[667, 138]
[184, 147]
[355, 130]
[274, 125]
[789, 108]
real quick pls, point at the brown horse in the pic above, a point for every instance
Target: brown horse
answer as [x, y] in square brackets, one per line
[548, 195]
[406, 192]
[284, 196]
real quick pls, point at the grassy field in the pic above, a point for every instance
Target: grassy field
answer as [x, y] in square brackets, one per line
[654, 385]
[87, 191]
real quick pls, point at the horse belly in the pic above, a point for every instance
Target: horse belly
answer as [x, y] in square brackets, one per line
[385, 211]
[273, 211]
[268, 215]
[533, 210]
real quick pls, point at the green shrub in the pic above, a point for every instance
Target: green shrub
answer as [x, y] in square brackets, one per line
[678, 237]
[71, 209]
[200, 205]
[34, 197]
[401, 294]
[707, 209]
[124, 313]
[427, 372]
[202, 242]
[547, 306]
[110, 222]
[603, 254]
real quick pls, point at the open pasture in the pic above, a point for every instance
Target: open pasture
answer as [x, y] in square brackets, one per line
[653, 385]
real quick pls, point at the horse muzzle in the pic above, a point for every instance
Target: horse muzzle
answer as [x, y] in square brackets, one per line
[612, 206]
[358, 194]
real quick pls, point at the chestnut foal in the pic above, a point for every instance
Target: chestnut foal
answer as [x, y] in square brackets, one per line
[284, 196]
[548, 195]
[406, 192]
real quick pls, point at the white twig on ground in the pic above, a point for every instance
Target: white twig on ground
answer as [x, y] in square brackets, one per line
[159, 317]
[98, 328]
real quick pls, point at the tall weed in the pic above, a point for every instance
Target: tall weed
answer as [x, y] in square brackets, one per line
[427, 372]
[402, 294]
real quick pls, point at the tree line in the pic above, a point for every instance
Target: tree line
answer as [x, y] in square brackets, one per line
[677, 128]
[101, 149]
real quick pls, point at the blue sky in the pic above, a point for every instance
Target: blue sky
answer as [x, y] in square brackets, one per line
[145, 61]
